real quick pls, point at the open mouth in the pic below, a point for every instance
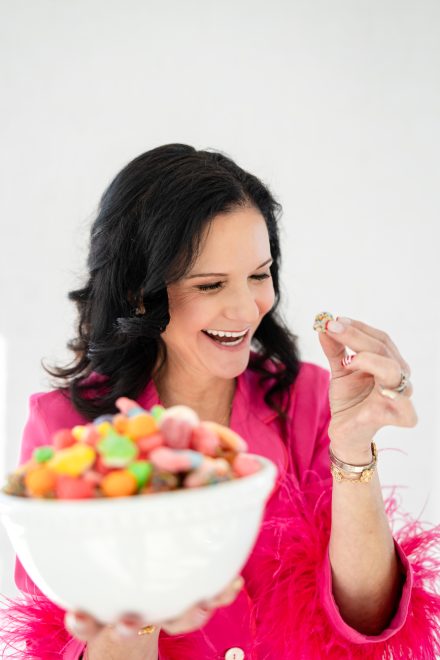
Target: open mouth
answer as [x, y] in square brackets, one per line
[225, 340]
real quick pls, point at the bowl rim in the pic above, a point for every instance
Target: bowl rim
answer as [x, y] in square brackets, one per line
[8, 501]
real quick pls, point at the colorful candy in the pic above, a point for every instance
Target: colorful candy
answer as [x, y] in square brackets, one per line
[120, 483]
[72, 461]
[40, 481]
[321, 321]
[228, 438]
[117, 450]
[134, 452]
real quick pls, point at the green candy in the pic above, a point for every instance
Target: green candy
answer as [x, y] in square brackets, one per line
[141, 470]
[157, 412]
[43, 454]
[117, 450]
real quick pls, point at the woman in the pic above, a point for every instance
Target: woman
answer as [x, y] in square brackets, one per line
[184, 249]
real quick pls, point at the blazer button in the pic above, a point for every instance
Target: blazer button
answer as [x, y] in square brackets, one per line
[236, 653]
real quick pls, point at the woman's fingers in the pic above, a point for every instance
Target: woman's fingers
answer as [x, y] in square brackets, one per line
[197, 616]
[378, 341]
[386, 371]
[81, 625]
[399, 410]
[127, 626]
[194, 618]
[228, 595]
[84, 627]
[384, 338]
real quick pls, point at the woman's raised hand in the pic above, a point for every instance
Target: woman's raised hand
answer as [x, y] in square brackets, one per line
[86, 628]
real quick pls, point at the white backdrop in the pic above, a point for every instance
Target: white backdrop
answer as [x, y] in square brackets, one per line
[333, 104]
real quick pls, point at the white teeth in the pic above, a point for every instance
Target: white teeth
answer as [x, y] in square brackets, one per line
[220, 333]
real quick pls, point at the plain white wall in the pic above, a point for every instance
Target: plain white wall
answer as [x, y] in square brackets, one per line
[333, 104]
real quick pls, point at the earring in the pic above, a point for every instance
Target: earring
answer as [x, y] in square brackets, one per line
[140, 309]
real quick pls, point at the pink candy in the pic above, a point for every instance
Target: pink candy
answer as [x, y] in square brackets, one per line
[73, 488]
[171, 460]
[151, 442]
[205, 441]
[177, 432]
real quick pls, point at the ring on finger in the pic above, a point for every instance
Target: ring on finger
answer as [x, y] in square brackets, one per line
[392, 392]
[146, 630]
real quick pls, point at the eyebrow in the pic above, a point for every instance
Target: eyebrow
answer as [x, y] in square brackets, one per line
[224, 274]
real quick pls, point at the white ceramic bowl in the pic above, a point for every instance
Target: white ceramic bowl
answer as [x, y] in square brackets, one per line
[154, 554]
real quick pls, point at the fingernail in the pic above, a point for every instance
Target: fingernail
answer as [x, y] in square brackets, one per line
[389, 394]
[202, 613]
[334, 326]
[346, 361]
[238, 583]
[344, 320]
[77, 623]
[126, 629]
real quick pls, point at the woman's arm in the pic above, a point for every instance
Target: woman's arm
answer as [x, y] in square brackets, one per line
[366, 574]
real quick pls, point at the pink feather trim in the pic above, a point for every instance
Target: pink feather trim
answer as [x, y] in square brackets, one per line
[32, 628]
[286, 587]
[284, 578]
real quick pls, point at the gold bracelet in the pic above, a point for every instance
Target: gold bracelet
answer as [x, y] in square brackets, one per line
[354, 473]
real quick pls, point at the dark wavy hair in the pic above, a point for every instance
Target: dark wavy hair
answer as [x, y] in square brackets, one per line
[147, 234]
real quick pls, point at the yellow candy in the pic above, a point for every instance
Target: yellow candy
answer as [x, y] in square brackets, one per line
[103, 428]
[73, 460]
[78, 432]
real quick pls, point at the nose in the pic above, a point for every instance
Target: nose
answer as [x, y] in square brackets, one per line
[242, 306]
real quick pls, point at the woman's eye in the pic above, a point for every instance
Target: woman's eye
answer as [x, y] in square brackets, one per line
[209, 287]
[217, 285]
[263, 276]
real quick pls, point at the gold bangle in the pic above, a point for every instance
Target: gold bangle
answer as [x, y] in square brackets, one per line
[356, 473]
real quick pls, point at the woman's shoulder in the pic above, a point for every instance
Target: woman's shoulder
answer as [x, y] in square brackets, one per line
[54, 409]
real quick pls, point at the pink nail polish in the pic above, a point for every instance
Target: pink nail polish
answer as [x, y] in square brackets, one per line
[346, 361]
[334, 326]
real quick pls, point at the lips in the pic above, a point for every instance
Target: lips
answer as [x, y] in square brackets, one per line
[224, 339]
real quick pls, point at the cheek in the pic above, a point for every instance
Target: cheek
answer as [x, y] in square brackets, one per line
[188, 310]
[266, 299]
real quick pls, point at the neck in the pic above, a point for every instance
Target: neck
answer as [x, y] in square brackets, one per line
[209, 396]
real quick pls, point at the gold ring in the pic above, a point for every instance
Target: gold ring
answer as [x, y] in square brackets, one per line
[146, 630]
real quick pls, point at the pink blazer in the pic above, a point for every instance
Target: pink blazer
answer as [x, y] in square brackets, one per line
[286, 609]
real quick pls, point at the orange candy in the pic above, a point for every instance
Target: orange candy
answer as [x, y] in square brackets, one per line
[40, 481]
[119, 483]
[120, 423]
[141, 426]
[229, 438]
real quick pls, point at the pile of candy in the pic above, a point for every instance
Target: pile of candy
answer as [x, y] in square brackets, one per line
[134, 452]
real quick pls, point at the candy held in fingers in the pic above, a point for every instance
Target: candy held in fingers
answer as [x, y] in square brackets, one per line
[321, 321]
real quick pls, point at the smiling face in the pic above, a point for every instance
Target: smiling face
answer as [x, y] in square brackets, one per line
[234, 297]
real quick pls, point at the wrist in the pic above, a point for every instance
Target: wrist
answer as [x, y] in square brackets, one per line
[352, 455]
